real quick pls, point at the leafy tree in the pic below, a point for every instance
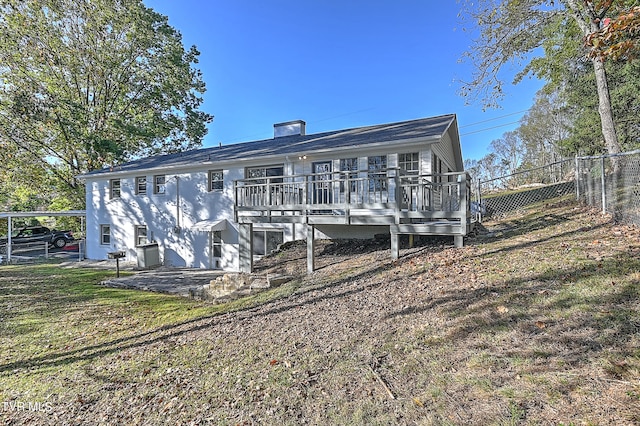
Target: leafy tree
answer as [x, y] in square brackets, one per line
[92, 83]
[486, 169]
[509, 151]
[619, 38]
[581, 105]
[570, 79]
[511, 31]
[543, 130]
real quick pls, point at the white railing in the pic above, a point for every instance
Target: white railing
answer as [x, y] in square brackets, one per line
[431, 193]
[314, 190]
[339, 192]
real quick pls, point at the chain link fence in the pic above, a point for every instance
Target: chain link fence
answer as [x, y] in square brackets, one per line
[508, 194]
[608, 182]
[611, 183]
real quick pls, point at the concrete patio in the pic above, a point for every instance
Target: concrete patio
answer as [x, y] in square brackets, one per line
[204, 284]
[179, 281]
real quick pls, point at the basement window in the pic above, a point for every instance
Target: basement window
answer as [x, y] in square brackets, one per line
[265, 242]
[141, 235]
[105, 235]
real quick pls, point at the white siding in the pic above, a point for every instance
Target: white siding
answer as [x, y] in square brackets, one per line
[444, 151]
[170, 217]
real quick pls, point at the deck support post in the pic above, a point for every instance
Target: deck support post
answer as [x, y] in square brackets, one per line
[245, 234]
[395, 246]
[458, 241]
[311, 245]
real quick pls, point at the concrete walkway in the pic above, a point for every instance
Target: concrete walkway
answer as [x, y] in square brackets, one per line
[180, 281]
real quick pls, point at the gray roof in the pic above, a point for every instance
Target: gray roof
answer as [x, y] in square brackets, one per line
[424, 128]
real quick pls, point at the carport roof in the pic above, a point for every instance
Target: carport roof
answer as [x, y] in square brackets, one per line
[43, 213]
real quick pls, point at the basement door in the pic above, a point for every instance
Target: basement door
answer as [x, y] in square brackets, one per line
[215, 249]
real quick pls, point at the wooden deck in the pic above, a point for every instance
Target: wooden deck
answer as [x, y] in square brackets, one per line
[437, 204]
[416, 204]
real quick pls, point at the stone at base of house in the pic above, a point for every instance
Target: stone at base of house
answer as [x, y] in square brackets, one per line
[231, 286]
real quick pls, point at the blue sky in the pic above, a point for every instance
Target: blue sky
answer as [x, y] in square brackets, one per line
[335, 64]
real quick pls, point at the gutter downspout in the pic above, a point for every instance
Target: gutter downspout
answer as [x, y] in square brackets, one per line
[178, 228]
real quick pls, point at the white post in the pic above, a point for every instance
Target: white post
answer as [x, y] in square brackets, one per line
[311, 245]
[395, 246]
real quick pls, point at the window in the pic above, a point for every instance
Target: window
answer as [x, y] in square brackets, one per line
[114, 186]
[377, 173]
[105, 234]
[409, 163]
[159, 184]
[217, 243]
[264, 242]
[141, 185]
[262, 172]
[141, 235]
[349, 165]
[216, 181]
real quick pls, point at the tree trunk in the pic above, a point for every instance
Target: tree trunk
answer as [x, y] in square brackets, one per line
[604, 108]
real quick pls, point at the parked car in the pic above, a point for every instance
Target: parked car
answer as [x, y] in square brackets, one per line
[38, 234]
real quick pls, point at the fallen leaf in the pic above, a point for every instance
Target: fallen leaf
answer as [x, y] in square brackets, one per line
[540, 324]
[502, 309]
[273, 362]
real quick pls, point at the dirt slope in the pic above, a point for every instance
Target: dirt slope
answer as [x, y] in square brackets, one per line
[535, 321]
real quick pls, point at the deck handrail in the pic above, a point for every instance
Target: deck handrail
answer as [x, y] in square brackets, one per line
[404, 194]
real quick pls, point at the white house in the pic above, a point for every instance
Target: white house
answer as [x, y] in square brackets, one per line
[219, 207]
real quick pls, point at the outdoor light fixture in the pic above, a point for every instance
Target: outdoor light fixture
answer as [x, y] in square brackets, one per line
[302, 157]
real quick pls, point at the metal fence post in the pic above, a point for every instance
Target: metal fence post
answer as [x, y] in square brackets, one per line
[603, 183]
[478, 202]
[577, 173]
[9, 242]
